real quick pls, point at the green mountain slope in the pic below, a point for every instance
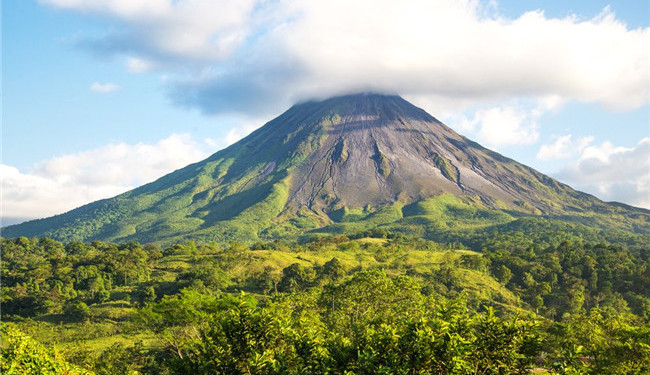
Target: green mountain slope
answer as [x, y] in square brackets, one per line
[340, 165]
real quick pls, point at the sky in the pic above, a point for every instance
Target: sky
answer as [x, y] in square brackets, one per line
[101, 96]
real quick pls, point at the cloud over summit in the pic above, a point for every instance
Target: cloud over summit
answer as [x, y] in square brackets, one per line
[261, 56]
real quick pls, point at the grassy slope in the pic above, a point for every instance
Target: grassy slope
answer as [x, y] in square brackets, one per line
[235, 193]
[211, 215]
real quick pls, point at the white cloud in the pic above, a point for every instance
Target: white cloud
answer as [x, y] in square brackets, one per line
[104, 88]
[238, 128]
[506, 126]
[603, 153]
[514, 123]
[243, 55]
[563, 147]
[65, 182]
[135, 65]
[205, 30]
[239, 132]
[613, 173]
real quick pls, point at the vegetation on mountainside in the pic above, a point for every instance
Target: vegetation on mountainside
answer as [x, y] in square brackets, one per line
[377, 302]
[343, 165]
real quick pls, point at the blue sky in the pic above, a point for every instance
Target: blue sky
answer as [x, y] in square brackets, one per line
[100, 96]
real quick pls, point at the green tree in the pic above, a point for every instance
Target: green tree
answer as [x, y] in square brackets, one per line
[296, 277]
[21, 355]
[145, 295]
[332, 270]
[77, 311]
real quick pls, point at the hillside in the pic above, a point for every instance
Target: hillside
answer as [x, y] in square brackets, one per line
[340, 165]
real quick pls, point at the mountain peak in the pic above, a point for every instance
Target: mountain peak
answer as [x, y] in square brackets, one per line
[387, 106]
[318, 164]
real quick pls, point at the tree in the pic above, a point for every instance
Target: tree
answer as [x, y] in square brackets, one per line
[77, 310]
[370, 296]
[296, 277]
[332, 270]
[145, 295]
[503, 274]
[21, 355]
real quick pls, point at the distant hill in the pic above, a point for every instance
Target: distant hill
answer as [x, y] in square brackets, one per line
[341, 165]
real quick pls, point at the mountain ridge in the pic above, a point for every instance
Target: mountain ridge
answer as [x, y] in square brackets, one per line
[326, 162]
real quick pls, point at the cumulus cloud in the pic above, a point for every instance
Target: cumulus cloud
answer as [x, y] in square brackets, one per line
[512, 123]
[613, 173]
[256, 55]
[504, 126]
[135, 65]
[203, 30]
[104, 88]
[563, 147]
[65, 182]
[239, 132]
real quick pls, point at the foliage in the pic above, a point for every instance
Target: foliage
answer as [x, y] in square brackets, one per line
[291, 337]
[372, 302]
[21, 355]
[571, 277]
[76, 310]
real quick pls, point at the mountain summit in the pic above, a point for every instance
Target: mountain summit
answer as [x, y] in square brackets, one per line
[367, 158]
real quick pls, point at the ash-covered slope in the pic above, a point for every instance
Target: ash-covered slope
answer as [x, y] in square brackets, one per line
[316, 164]
[377, 149]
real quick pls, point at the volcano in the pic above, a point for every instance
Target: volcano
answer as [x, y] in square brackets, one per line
[338, 165]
